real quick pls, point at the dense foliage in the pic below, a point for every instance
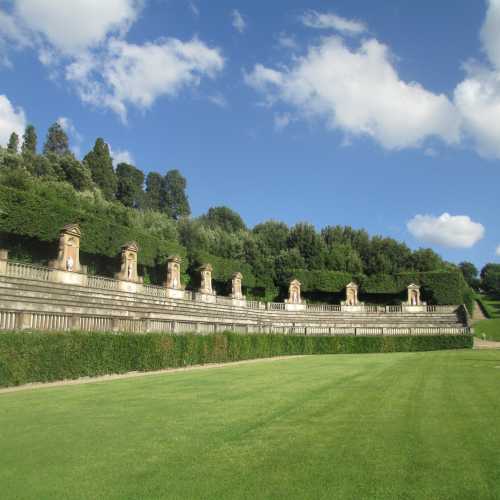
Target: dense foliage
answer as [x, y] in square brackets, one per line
[39, 193]
[45, 357]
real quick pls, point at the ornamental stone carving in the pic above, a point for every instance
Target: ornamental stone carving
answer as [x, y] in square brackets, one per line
[414, 296]
[294, 293]
[206, 280]
[351, 295]
[236, 291]
[173, 273]
[68, 257]
[128, 269]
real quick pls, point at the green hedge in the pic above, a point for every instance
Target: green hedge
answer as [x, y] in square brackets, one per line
[44, 357]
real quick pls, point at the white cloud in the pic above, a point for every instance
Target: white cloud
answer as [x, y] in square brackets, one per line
[498, 250]
[218, 100]
[139, 74]
[74, 26]
[11, 120]
[239, 23]
[360, 92]
[456, 231]
[194, 9]
[121, 156]
[318, 20]
[477, 97]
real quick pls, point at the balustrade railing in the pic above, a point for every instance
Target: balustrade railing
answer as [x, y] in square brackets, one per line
[22, 270]
[35, 272]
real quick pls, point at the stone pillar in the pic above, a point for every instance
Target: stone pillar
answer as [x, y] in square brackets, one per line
[294, 301]
[128, 268]
[175, 290]
[206, 292]
[413, 302]
[4, 255]
[66, 267]
[237, 296]
[351, 302]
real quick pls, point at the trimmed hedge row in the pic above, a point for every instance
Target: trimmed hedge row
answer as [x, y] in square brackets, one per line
[44, 357]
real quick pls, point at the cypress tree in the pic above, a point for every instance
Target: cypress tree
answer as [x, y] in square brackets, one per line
[57, 141]
[100, 163]
[130, 181]
[13, 145]
[29, 141]
[154, 183]
[174, 195]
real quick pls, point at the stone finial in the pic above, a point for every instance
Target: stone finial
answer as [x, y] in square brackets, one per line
[414, 295]
[206, 279]
[68, 257]
[351, 294]
[236, 292]
[174, 273]
[128, 269]
[294, 292]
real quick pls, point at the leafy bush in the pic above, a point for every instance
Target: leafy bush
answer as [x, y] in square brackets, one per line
[44, 357]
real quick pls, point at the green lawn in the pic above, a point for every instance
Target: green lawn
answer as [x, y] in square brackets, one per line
[488, 329]
[371, 426]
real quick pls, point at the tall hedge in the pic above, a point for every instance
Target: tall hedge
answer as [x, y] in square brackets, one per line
[44, 357]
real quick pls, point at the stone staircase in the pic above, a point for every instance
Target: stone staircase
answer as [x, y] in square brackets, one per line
[31, 303]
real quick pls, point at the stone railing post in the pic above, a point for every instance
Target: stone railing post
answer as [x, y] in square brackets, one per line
[4, 255]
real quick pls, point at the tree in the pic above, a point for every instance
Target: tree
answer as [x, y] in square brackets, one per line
[154, 191]
[490, 278]
[308, 242]
[469, 271]
[57, 141]
[273, 235]
[13, 145]
[342, 257]
[425, 259]
[224, 218]
[100, 164]
[29, 141]
[129, 189]
[175, 200]
[75, 172]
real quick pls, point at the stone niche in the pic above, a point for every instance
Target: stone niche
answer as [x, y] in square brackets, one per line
[206, 292]
[413, 301]
[351, 302]
[175, 289]
[66, 267]
[236, 290]
[4, 255]
[294, 301]
[128, 276]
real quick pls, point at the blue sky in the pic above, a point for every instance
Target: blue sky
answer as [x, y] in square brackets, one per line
[379, 115]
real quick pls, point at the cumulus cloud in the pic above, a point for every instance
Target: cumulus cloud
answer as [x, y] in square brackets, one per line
[360, 92]
[74, 26]
[84, 40]
[11, 120]
[139, 74]
[477, 97]
[318, 20]
[287, 41]
[239, 23]
[455, 231]
[282, 120]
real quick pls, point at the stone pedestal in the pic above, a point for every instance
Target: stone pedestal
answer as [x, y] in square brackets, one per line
[4, 255]
[358, 308]
[414, 309]
[239, 302]
[68, 277]
[129, 286]
[209, 298]
[128, 269]
[175, 289]
[175, 294]
[206, 281]
[413, 298]
[68, 257]
[295, 307]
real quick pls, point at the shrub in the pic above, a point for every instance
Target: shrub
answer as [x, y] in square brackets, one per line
[44, 357]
